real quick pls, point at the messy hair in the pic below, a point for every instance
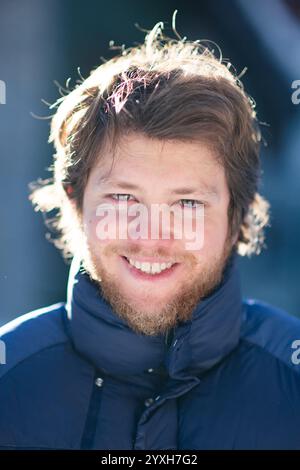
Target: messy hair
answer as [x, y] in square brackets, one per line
[164, 88]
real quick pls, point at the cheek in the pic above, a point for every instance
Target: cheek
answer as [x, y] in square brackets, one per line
[215, 233]
[95, 244]
[90, 224]
[100, 230]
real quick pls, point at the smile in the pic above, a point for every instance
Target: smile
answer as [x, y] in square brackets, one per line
[148, 271]
[150, 268]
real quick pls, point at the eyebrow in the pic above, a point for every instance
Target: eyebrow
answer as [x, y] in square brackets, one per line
[202, 189]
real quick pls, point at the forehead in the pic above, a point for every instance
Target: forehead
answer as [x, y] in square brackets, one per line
[136, 155]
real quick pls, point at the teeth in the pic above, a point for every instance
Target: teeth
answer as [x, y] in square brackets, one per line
[150, 268]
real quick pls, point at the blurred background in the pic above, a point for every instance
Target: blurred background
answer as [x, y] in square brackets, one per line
[43, 41]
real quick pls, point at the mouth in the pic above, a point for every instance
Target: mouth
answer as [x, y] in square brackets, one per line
[140, 275]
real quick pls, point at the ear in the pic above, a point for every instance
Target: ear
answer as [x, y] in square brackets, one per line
[235, 238]
[69, 189]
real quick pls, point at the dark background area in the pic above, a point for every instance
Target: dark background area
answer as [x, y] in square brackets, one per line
[46, 40]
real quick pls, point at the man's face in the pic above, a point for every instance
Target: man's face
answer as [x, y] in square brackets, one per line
[157, 171]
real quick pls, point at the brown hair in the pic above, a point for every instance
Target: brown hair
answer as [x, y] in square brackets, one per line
[166, 89]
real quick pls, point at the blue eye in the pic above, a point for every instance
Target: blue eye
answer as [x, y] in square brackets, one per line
[118, 194]
[193, 201]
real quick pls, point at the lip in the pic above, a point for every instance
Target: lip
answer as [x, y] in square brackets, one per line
[138, 274]
[148, 259]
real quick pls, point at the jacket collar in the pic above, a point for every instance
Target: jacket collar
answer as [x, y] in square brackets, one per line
[107, 341]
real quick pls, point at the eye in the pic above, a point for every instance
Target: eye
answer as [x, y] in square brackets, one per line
[192, 203]
[123, 197]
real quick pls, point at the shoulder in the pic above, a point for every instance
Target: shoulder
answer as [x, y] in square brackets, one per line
[273, 331]
[30, 334]
[44, 384]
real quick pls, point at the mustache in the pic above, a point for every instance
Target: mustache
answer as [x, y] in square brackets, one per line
[157, 253]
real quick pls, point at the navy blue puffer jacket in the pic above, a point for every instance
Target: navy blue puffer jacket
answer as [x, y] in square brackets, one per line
[77, 377]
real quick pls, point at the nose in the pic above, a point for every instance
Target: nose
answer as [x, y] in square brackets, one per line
[152, 234]
[154, 222]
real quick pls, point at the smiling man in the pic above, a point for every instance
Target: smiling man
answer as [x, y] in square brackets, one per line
[154, 347]
[125, 269]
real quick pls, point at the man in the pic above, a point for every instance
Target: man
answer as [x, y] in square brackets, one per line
[155, 347]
